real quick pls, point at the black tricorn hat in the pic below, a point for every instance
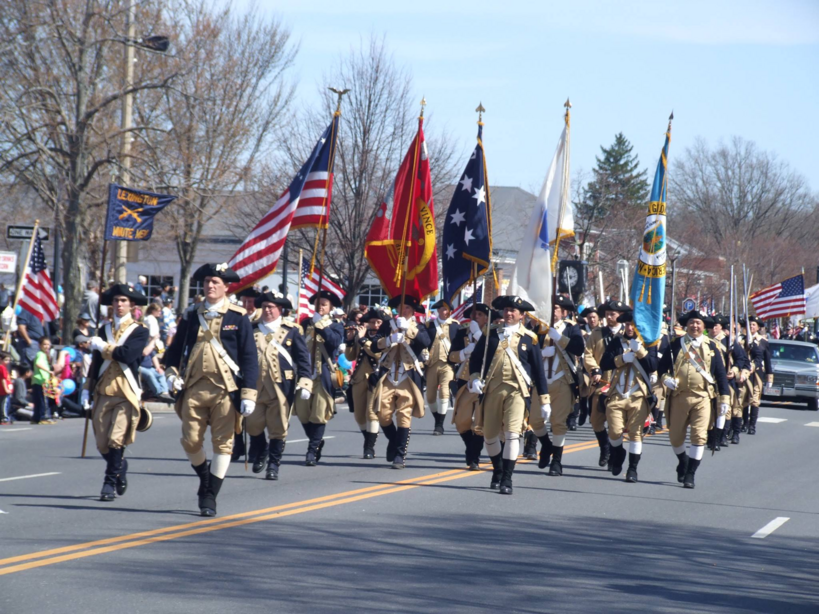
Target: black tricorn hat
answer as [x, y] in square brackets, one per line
[695, 315]
[250, 292]
[757, 320]
[441, 303]
[480, 307]
[376, 314]
[107, 297]
[220, 270]
[718, 319]
[588, 311]
[497, 315]
[618, 306]
[146, 419]
[512, 302]
[395, 303]
[565, 303]
[269, 297]
[333, 298]
[625, 317]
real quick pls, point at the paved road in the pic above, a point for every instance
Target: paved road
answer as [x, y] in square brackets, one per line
[355, 536]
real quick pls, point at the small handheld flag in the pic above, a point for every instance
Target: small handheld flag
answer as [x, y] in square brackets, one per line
[131, 213]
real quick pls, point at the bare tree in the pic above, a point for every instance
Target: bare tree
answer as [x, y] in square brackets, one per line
[59, 89]
[219, 120]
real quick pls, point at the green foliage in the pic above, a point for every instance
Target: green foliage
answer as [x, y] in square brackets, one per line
[618, 182]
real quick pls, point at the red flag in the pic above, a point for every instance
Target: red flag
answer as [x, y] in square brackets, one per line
[404, 227]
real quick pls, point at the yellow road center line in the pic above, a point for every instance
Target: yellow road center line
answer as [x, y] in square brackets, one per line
[113, 544]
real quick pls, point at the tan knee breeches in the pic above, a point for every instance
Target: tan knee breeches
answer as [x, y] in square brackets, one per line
[114, 420]
[318, 409]
[439, 376]
[623, 413]
[361, 403]
[396, 401]
[692, 412]
[503, 409]
[269, 414]
[206, 404]
[597, 418]
[465, 415]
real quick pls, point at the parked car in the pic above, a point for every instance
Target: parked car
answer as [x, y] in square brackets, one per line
[796, 372]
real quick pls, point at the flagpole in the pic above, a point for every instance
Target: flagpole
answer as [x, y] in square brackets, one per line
[97, 331]
[403, 256]
[22, 280]
[298, 286]
[564, 194]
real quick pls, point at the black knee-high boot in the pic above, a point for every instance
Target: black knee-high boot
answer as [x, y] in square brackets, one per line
[402, 437]
[545, 451]
[258, 452]
[109, 482]
[605, 448]
[275, 451]
[508, 468]
[752, 420]
[369, 445]
[631, 472]
[390, 433]
[497, 471]
[477, 446]
[467, 439]
[556, 466]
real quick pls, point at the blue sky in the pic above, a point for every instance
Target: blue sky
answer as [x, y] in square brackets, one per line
[726, 68]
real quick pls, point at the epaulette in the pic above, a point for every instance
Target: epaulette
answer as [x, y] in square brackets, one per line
[570, 321]
[530, 333]
[237, 309]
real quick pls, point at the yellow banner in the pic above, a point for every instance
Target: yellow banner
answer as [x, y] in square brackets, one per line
[656, 207]
[648, 270]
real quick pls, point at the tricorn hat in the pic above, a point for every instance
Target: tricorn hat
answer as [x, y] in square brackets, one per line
[564, 302]
[107, 297]
[269, 297]
[146, 419]
[249, 292]
[441, 303]
[220, 270]
[618, 306]
[625, 317]
[695, 315]
[333, 298]
[512, 302]
[480, 307]
[395, 302]
[588, 311]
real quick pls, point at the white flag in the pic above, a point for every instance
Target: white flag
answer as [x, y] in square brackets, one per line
[532, 275]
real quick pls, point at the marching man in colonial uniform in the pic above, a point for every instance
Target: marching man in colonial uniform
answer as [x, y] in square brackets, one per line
[284, 374]
[362, 348]
[507, 381]
[397, 394]
[737, 369]
[562, 345]
[113, 385]
[600, 379]
[322, 335]
[761, 372]
[440, 370]
[465, 415]
[630, 396]
[212, 364]
[695, 377]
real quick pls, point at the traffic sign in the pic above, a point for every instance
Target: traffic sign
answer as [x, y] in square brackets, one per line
[24, 232]
[8, 262]
[688, 305]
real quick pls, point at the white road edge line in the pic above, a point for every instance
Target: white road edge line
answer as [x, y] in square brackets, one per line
[25, 477]
[812, 424]
[14, 430]
[303, 440]
[772, 420]
[769, 528]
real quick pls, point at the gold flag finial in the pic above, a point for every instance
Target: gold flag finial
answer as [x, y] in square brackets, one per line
[480, 111]
[567, 104]
[338, 93]
[670, 119]
[423, 104]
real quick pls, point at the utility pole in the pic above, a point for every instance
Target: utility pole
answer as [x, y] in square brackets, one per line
[121, 250]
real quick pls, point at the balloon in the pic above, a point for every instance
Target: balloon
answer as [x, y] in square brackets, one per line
[344, 363]
[72, 353]
[18, 310]
[68, 386]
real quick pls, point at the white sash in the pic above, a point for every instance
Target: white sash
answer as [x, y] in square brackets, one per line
[444, 338]
[517, 365]
[705, 375]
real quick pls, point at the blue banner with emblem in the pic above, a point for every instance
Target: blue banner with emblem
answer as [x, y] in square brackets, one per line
[131, 213]
[648, 288]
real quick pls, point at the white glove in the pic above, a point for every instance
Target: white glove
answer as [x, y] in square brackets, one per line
[247, 407]
[96, 343]
[174, 383]
[402, 323]
[554, 334]
[653, 377]
[317, 317]
[342, 347]
[85, 399]
[670, 383]
[396, 338]
[468, 350]
[548, 351]
[546, 411]
[304, 394]
[476, 386]
[724, 409]
[475, 330]
[634, 344]
[628, 357]
[768, 385]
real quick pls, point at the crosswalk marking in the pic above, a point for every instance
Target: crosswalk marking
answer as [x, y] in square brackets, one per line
[812, 424]
[772, 420]
[769, 528]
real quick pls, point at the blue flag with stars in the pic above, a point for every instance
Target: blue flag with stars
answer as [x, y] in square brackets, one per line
[467, 240]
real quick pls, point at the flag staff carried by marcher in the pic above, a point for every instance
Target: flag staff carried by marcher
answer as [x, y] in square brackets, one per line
[9, 313]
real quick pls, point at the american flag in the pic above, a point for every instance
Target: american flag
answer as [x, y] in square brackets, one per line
[787, 298]
[308, 286]
[38, 296]
[305, 204]
[458, 313]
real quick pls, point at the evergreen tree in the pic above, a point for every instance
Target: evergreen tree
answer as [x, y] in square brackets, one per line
[618, 182]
